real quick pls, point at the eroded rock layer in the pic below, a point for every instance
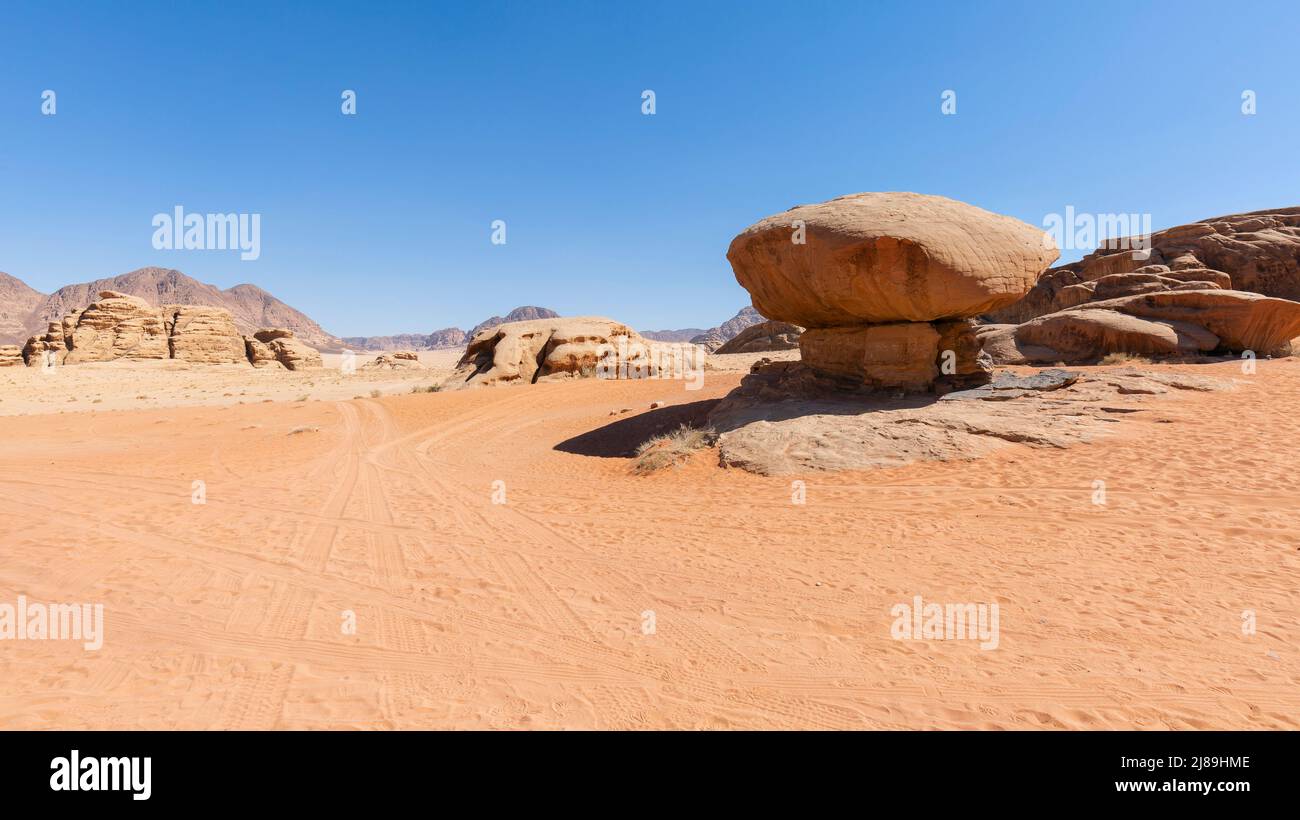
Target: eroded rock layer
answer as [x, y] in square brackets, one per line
[119, 326]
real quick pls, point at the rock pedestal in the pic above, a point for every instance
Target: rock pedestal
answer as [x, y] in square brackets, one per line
[885, 283]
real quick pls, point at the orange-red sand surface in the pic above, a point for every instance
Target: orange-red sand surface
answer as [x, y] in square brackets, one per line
[697, 597]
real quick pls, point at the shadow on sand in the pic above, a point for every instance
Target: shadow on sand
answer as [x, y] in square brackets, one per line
[620, 439]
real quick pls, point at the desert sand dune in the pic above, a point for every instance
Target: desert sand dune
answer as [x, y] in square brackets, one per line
[530, 613]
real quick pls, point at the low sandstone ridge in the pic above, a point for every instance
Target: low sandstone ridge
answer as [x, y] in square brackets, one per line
[548, 349]
[1165, 322]
[1258, 252]
[119, 326]
[395, 360]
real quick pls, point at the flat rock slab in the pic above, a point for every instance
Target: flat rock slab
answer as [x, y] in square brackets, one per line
[1010, 386]
[766, 432]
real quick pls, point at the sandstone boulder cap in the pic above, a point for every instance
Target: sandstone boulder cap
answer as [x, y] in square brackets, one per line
[875, 258]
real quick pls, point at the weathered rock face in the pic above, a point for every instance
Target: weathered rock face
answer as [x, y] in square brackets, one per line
[1258, 252]
[886, 282]
[260, 355]
[1242, 321]
[203, 335]
[878, 258]
[1060, 289]
[396, 360]
[49, 348]
[280, 344]
[116, 326]
[11, 356]
[119, 326]
[962, 360]
[1173, 322]
[763, 337]
[914, 356]
[530, 351]
[1084, 334]
[902, 355]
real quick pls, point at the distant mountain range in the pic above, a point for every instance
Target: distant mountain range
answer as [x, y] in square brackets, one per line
[455, 337]
[683, 335]
[448, 336]
[25, 312]
[714, 336]
[437, 340]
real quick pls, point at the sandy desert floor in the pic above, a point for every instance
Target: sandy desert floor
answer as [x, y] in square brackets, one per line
[532, 613]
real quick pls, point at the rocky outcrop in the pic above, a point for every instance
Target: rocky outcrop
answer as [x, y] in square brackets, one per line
[763, 337]
[11, 356]
[396, 360]
[119, 326]
[47, 349]
[1257, 252]
[115, 326]
[251, 307]
[279, 346]
[1060, 289]
[549, 349]
[885, 282]
[1087, 334]
[260, 355]
[203, 335]
[786, 418]
[1160, 323]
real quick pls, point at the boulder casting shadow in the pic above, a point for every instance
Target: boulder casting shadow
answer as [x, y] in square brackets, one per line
[621, 438]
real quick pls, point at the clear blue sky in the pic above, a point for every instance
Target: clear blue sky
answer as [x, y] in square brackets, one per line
[531, 113]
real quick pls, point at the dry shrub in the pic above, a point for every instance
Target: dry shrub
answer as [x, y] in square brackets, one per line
[671, 449]
[1125, 358]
